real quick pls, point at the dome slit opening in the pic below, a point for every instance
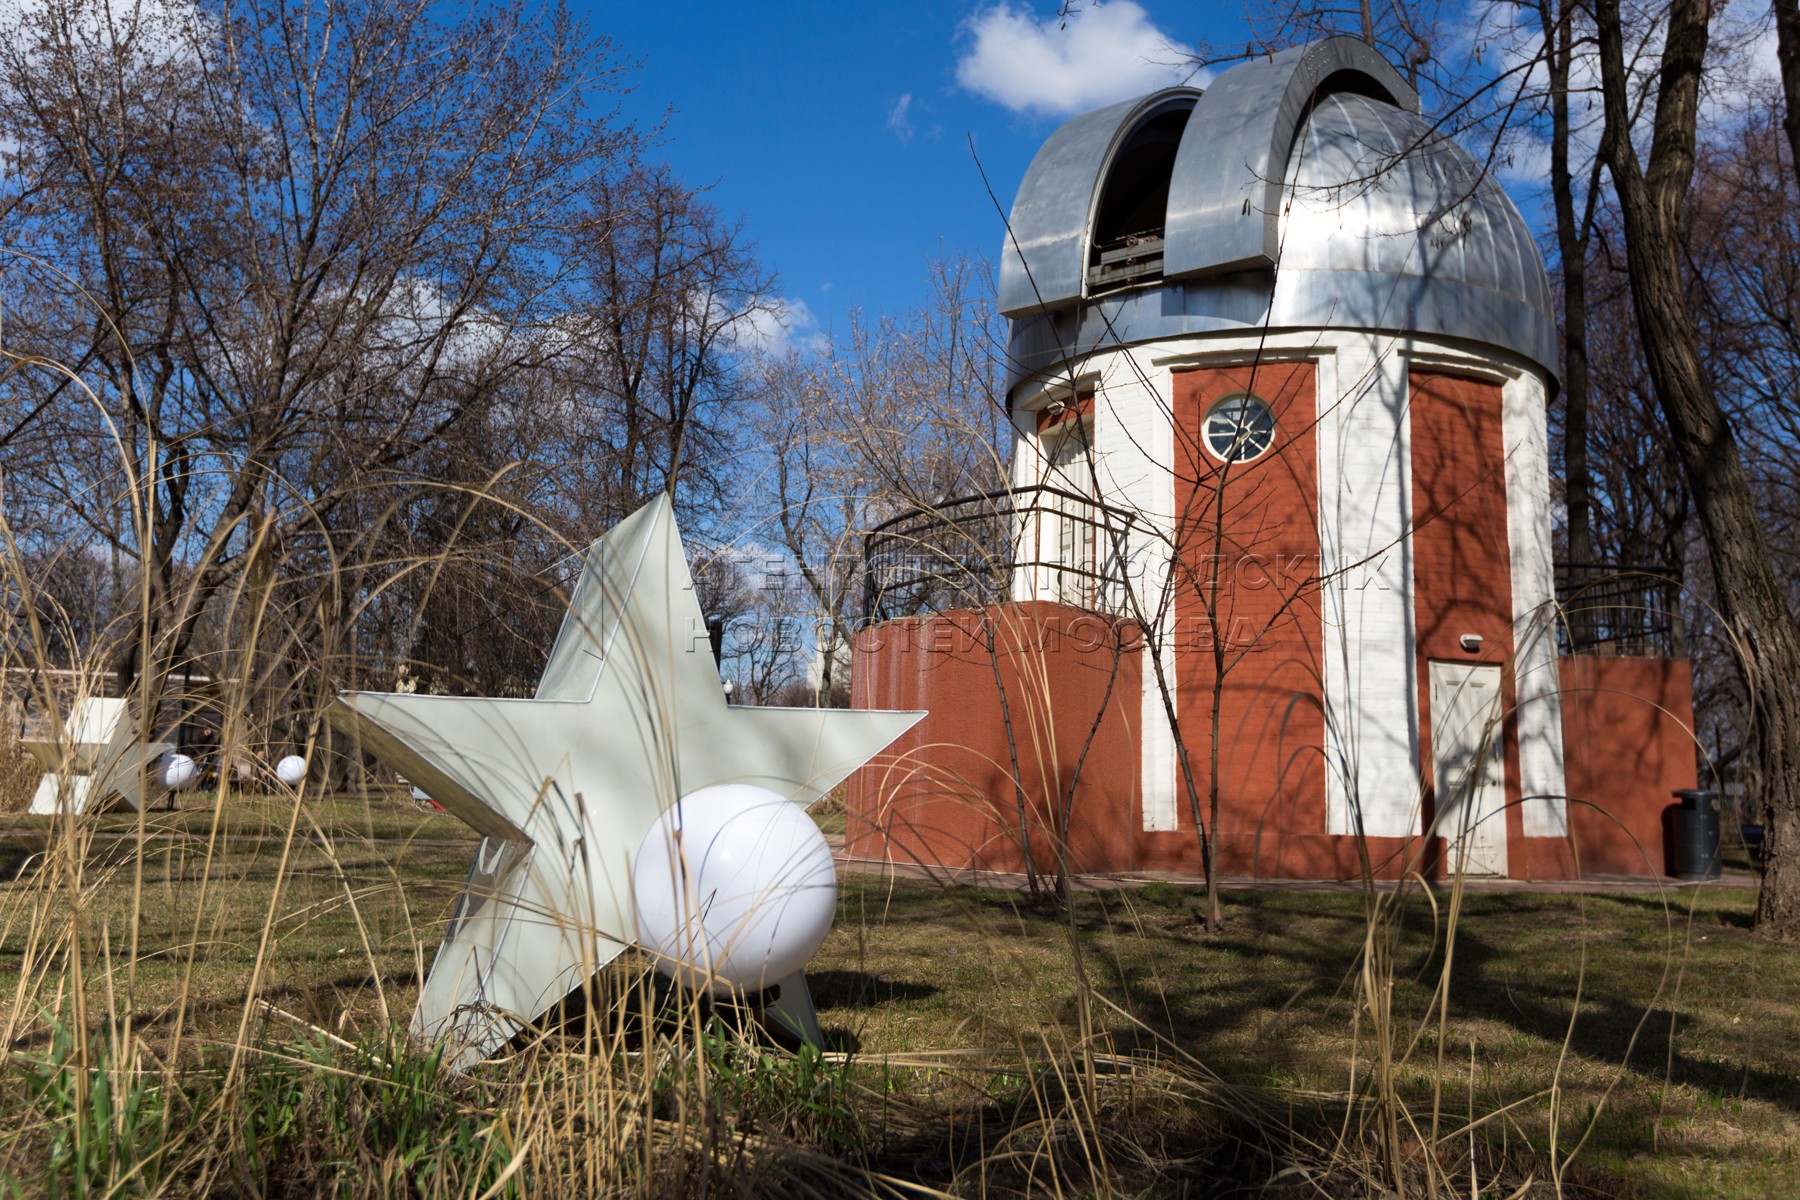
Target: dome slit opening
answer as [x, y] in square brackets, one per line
[1125, 243]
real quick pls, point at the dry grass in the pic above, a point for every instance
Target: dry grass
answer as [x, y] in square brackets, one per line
[983, 1057]
[197, 814]
[19, 772]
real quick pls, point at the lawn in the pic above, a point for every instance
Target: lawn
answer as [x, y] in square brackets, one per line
[195, 814]
[1683, 1052]
[1680, 1067]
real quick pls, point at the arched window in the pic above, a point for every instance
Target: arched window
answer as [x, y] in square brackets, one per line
[1125, 245]
[1066, 528]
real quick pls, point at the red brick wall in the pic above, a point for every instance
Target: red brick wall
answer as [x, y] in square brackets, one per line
[1627, 743]
[1247, 618]
[944, 794]
[1462, 567]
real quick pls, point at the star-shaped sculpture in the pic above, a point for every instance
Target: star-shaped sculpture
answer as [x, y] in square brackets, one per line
[628, 717]
[98, 756]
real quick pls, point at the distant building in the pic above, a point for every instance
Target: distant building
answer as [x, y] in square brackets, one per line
[1280, 356]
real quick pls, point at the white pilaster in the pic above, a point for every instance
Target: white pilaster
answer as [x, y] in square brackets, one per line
[1537, 690]
[1365, 549]
[1134, 424]
[1027, 456]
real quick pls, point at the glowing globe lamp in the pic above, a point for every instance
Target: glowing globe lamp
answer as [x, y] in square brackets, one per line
[735, 889]
[291, 770]
[180, 772]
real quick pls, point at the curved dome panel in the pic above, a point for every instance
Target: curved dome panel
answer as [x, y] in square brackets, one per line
[1225, 196]
[1055, 201]
[1392, 226]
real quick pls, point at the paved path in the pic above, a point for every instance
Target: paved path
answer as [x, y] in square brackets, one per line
[1615, 884]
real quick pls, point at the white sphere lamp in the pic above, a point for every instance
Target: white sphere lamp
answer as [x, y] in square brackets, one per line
[735, 889]
[180, 772]
[291, 770]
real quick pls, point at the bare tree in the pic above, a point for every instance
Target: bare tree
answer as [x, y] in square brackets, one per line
[1652, 188]
[292, 245]
[1561, 26]
[1787, 47]
[338, 325]
[662, 329]
[758, 602]
[892, 417]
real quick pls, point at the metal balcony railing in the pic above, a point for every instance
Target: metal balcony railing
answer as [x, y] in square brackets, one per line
[1038, 542]
[1619, 609]
[1047, 543]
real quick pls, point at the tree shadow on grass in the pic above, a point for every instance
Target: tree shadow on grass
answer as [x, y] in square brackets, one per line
[1676, 906]
[863, 989]
[1282, 948]
[1608, 1028]
[319, 1004]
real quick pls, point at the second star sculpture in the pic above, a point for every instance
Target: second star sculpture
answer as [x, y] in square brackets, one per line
[628, 717]
[99, 756]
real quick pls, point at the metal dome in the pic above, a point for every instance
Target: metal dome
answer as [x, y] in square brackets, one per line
[1306, 193]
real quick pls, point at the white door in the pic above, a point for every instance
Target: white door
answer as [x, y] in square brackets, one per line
[1467, 767]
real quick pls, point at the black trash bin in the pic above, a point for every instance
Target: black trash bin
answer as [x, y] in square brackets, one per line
[1697, 834]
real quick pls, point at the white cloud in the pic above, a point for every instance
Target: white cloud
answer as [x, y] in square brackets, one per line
[1746, 69]
[146, 36]
[158, 32]
[898, 123]
[1098, 54]
[782, 324]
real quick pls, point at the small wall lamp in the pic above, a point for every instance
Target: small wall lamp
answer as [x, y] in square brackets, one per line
[1470, 642]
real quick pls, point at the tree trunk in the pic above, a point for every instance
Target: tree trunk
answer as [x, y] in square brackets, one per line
[1752, 604]
[1787, 51]
[1571, 244]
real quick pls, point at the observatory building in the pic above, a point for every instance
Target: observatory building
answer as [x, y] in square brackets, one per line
[1279, 536]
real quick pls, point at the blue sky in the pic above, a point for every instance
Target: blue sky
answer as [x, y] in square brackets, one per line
[841, 133]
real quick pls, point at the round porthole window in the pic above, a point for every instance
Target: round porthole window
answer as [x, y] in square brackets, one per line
[1240, 428]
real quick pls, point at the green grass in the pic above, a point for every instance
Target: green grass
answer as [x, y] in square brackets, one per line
[832, 821]
[1688, 1020]
[1682, 1063]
